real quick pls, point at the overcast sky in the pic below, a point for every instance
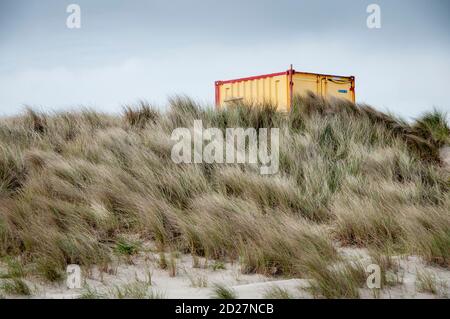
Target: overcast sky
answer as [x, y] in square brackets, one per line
[136, 49]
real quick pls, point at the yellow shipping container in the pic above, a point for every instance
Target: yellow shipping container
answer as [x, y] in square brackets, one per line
[279, 88]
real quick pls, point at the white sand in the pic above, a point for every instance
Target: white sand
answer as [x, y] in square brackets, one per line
[408, 268]
[191, 282]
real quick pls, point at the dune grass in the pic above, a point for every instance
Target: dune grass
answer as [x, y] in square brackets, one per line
[223, 292]
[429, 282]
[336, 282]
[277, 292]
[72, 183]
[15, 287]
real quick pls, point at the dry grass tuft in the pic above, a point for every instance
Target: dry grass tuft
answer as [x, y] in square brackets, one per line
[336, 281]
[15, 286]
[141, 116]
[223, 292]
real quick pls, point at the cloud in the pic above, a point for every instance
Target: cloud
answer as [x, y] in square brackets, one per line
[403, 82]
[150, 50]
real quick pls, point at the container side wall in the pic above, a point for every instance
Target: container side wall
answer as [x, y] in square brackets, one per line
[304, 83]
[324, 85]
[272, 89]
[339, 87]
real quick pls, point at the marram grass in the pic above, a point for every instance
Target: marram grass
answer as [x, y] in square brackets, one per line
[73, 184]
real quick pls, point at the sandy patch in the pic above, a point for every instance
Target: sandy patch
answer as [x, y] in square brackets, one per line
[143, 271]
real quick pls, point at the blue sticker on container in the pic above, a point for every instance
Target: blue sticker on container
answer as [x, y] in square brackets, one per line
[342, 91]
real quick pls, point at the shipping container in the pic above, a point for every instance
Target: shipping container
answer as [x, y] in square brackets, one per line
[280, 88]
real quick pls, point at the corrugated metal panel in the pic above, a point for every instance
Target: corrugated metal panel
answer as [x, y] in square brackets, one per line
[341, 87]
[276, 89]
[272, 89]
